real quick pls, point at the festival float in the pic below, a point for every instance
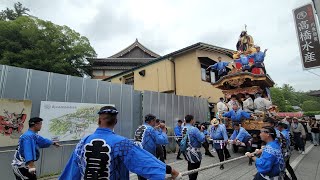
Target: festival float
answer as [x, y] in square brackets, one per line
[246, 78]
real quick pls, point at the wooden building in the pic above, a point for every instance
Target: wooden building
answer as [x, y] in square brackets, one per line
[134, 55]
[182, 72]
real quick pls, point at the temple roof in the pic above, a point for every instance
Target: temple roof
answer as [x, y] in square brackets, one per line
[122, 60]
[138, 45]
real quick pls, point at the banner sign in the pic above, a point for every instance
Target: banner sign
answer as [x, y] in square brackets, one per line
[14, 117]
[64, 121]
[307, 34]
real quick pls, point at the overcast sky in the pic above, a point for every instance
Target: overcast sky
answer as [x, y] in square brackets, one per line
[166, 26]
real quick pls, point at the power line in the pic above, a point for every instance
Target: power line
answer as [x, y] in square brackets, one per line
[313, 73]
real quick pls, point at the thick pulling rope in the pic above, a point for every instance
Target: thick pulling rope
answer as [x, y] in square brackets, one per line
[186, 173]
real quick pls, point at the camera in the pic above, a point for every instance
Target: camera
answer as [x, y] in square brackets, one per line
[205, 124]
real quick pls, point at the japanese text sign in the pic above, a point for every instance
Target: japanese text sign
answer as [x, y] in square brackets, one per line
[307, 33]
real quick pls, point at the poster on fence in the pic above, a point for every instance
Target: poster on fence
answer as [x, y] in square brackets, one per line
[64, 121]
[14, 117]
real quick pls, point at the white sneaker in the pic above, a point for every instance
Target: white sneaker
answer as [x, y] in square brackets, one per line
[303, 153]
[300, 151]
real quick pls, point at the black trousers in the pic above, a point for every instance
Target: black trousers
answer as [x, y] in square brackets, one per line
[226, 152]
[179, 152]
[206, 146]
[299, 141]
[192, 166]
[24, 172]
[221, 154]
[160, 153]
[164, 152]
[290, 170]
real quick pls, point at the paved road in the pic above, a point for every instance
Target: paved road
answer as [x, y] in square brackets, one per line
[306, 169]
[309, 167]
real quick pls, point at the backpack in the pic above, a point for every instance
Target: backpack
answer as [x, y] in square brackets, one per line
[138, 136]
[184, 142]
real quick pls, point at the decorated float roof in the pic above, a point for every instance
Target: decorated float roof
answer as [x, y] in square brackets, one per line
[243, 80]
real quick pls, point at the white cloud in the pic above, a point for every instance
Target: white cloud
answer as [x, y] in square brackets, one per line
[166, 26]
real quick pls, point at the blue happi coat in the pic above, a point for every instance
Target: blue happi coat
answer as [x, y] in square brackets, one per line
[152, 137]
[29, 148]
[244, 61]
[218, 133]
[196, 136]
[220, 67]
[106, 155]
[241, 134]
[178, 130]
[257, 56]
[271, 162]
[236, 116]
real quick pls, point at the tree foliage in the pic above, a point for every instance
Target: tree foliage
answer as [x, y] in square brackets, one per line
[12, 14]
[29, 42]
[285, 97]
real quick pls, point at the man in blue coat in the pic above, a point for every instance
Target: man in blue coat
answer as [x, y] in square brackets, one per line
[178, 134]
[258, 59]
[219, 136]
[239, 137]
[220, 67]
[106, 155]
[244, 61]
[195, 137]
[237, 114]
[28, 151]
[283, 128]
[270, 164]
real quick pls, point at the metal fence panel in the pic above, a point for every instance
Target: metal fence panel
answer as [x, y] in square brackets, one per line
[75, 90]
[154, 106]
[5, 165]
[146, 104]
[51, 161]
[176, 108]
[37, 92]
[169, 110]
[90, 91]
[15, 83]
[137, 118]
[103, 92]
[162, 106]
[57, 87]
[126, 121]
[115, 98]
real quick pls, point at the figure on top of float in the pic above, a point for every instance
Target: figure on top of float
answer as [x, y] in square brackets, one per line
[258, 57]
[220, 67]
[244, 61]
[245, 41]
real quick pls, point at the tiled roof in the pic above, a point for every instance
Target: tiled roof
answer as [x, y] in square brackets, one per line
[113, 67]
[135, 44]
[122, 60]
[197, 46]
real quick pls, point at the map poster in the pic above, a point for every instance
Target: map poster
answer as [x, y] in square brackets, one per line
[14, 117]
[64, 121]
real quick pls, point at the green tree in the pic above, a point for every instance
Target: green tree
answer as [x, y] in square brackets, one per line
[12, 14]
[310, 106]
[29, 42]
[278, 98]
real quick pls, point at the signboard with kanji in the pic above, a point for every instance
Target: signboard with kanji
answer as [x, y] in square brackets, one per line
[308, 38]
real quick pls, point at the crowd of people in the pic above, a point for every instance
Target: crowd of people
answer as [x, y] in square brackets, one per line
[106, 155]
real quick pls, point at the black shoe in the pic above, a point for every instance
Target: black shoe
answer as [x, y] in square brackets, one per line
[179, 158]
[221, 167]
